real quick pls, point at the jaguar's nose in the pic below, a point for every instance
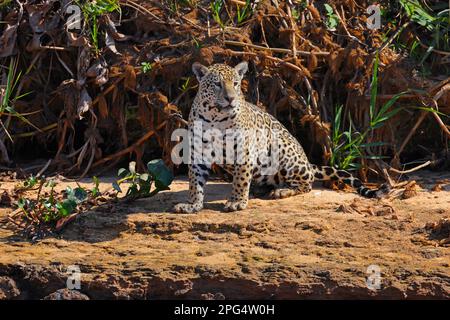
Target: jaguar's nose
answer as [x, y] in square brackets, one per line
[229, 99]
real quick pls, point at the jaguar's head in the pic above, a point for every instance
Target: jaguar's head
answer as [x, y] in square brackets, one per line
[220, 84]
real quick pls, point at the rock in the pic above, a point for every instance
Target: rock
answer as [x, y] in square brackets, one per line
[66, 294]
[8, 288]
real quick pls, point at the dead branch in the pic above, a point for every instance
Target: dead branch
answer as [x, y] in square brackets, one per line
[132, 147]
[280, 50]
[423, 165]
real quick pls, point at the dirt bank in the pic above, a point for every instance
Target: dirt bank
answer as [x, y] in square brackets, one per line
[317, 245]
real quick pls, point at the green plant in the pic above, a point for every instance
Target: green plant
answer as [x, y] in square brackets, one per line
[175, 4]
[417, 13]
[349, 145]
[9, 96]
[5, 3]
[432, 110]
[31, 182]
[185, 86]
[146, 67]
[332, 19]
[197, 43]
[243, 12]
[216, 7]
[434, 20]
[346, 145]
[92, 11]
[50, 210]
[96, 190]
[378, 118]
[50, 206]
[141, 183]
[300, 6]
[295, 14]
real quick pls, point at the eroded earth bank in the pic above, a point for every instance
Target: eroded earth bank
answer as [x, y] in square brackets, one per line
[311, 246]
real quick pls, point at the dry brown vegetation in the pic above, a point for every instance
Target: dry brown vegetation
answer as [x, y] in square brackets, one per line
[88, 106]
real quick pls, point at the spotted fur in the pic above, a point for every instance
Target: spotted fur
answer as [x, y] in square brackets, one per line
[220, 105]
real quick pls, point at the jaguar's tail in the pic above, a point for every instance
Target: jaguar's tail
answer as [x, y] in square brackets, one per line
[330, 173]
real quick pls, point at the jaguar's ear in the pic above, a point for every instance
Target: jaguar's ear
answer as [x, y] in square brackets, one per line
[241, 68]
[199, 70]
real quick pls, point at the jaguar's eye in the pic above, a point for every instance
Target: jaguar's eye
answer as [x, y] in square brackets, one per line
[217, 83]
[236, 83]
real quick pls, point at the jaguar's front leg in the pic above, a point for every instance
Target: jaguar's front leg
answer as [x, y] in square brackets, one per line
[198, 175]
[242, 177]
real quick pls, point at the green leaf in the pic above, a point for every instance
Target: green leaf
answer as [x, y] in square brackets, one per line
[96, 181]
[332, 19]
[144, 187]
[429, 109]
[373, 144]
[116, 186]
[51, 183]
[132, 190]
[70, 193]
[337, 124]
[354, 166]
[30, 182]
[391, 101]
[146, 67]
[379, 121]
[21, 203]
[95, 191]
[123, 172]
[48, 205]
[417, 13]
[80, 195]
[66, 207]
[374, 88]
[162, 176]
